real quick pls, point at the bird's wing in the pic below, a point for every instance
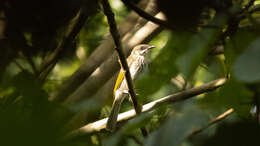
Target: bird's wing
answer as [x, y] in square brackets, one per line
[119, 80]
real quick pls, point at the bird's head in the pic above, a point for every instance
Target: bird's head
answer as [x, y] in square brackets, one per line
[142, 49]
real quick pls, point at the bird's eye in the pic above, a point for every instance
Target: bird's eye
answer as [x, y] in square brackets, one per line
[144, 47]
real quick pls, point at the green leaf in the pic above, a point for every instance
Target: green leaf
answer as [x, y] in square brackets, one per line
[138, 122]
[28, 86]
[212, 69]
[29, 116]
[130, 127]
[233, 94]
[113, 140]
[237, 45]
[246, 67]
[178, 127]
[198, 48]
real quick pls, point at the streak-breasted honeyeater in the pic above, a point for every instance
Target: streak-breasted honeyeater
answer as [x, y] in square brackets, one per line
[137, 61]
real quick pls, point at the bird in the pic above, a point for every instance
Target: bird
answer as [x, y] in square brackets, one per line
[137, 62]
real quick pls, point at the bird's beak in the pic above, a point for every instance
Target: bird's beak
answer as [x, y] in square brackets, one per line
[146, 50]
[150, 47]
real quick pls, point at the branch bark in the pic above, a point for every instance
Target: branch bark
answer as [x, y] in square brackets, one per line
[180, 96]
[146, 15]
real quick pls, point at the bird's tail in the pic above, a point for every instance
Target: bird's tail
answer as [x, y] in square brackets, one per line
[112, 119]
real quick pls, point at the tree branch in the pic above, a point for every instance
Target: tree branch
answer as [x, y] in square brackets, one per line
[213, 121]
[2, 25]
[147, 16]
[115, 34]
[180, 96]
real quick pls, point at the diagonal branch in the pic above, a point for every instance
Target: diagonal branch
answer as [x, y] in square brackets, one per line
[147, 16]
[213, 121]
[155, 20]
[249, 4]
[115, 34]
[180, 96]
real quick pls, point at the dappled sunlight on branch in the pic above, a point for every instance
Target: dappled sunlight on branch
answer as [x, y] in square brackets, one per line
[179, 96]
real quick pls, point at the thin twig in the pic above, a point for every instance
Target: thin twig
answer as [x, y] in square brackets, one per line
[256, 102]
[245, 11]
[115, 34]
[46, 72]
[155, 20]
[29, 60]
[27, 57]
[19, 65]
[32, 64]
[147, 16]
[250, 3]
[255, 9]
[213, 121]
[180, 96]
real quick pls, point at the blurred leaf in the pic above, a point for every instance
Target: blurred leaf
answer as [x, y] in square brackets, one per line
[177, 128]
[198, 47]
[246, 67]
[27, 118]
[138, 122]
[91, 35]
[211, 70]
[188, 62]
[232, 95]
[128, 128]
[215, 66]
[237, 44]
[29, 88]
[113, 140]
[86, 105]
